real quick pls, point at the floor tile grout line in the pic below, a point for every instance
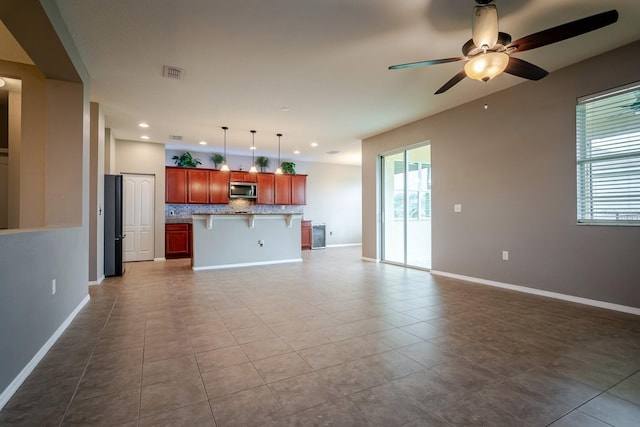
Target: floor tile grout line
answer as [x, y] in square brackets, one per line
[596, 396]
[84, 370]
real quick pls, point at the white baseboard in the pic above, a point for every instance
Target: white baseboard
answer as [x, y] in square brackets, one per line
[246, 264]
[534, 291]
[17, 381]
[367, 259]
[343, 245]
[159, 259]
[96, 282]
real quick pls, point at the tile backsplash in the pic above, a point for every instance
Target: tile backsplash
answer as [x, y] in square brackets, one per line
[174, 211]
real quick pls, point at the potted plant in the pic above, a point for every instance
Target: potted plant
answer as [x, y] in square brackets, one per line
[263, 163]
[288, 167]
[217, 158]
[186, 160]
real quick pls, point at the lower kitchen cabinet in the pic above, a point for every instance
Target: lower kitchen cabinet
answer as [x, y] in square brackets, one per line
[306, 234]
[177, 241]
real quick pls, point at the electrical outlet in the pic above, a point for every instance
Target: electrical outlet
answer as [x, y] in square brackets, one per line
[53, 286]
[457, 207]
[261, 243]
[172, 212]
[505, 255]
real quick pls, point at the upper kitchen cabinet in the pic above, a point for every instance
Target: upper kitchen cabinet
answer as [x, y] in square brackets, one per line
[218, 187]
[198, 186]
[266, 185]
[242, 176]
[298, 189]
[176, 185]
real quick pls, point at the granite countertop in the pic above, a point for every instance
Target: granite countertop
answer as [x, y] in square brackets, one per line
[173, 220]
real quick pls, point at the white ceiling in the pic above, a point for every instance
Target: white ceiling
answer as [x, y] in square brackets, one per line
[326, 61]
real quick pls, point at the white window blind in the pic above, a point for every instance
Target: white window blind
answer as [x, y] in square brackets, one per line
[608, 157]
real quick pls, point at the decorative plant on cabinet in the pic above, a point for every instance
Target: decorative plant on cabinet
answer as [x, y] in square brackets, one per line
[288, 167]
[263, 163]
[186, 160]
[217, 158]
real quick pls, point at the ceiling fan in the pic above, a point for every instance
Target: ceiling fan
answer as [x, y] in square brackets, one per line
[489, 51]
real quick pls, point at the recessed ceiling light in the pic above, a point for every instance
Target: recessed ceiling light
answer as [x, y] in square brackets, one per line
[202, 142]
[143, 125]
[253, 147]
[314, 144]
[144, 137]
[296, 152]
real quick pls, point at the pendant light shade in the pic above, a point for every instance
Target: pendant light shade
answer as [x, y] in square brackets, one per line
[225, 166]
[253, 168]
[278, 170]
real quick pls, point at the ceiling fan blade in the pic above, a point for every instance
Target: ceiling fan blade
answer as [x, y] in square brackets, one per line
[454, 81]
[564, 31]
[524, 69]
[423, 63]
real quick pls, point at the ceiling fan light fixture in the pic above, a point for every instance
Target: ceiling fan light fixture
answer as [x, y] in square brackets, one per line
[484, 26]
[486, 66]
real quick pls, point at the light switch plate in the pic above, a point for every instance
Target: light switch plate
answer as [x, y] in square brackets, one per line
[457, 207]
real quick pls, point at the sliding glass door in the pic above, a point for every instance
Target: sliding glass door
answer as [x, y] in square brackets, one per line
[406, 207]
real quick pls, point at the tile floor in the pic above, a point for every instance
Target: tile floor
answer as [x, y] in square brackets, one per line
[330, 341]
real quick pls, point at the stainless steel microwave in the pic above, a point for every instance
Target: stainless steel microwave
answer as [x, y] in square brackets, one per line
[243, 190]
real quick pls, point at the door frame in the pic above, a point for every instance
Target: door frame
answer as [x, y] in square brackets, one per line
[381, 205]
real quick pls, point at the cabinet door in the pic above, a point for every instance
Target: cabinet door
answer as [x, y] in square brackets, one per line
[298, 189]
[198, 190]
[177, 240]
[175, 185]
[241, 176]
[282, 189]
[306, 234]
[218, 187]
[265, 189]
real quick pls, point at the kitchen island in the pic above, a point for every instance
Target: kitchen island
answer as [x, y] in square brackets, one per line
[238, 240]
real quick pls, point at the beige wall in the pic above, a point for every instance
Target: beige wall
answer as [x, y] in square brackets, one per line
[52, 191]
[513, 169]
[136, 157]
[96, 195]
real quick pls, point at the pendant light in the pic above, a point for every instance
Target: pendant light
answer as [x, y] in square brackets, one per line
[225, 166]
[279, 168]
[253, 168]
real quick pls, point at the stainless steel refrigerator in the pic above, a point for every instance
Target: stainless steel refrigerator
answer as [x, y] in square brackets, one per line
[113, 234]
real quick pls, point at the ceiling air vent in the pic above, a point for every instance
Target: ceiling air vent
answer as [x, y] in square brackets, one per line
[172, 72]
[175, 137]
[333, 152]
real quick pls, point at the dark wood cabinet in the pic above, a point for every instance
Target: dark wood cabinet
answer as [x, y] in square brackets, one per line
[202, 186]
[218, 187]
[306, 234]
[282, 189]
[298, 189]
[177, 241]
[198, 186]
[266, 185]
[175, 185]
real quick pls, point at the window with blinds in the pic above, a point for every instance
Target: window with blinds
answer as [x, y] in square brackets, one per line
[608, 157]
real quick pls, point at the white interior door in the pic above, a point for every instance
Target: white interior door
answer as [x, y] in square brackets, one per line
[138, 217]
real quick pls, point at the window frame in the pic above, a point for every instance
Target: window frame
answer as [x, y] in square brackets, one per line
[599, 171]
